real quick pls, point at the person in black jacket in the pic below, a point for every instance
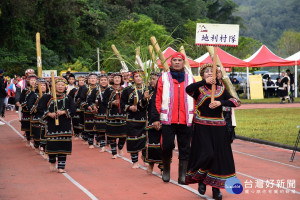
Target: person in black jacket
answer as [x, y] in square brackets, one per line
[2, 93]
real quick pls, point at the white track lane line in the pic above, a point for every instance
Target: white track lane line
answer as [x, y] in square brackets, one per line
[171, 181]
[274, 161]
[265, 145]
[65, 174]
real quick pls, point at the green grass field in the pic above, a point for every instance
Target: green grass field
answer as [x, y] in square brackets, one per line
[266, 100]
[276, 124]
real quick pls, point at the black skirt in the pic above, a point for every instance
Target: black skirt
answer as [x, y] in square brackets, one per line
[211, 159]
[153, 150]
[89, 121]
[100, 124]
[136, 136]
[35, 131]
[78, 120]
[25, 121]
[59, 145]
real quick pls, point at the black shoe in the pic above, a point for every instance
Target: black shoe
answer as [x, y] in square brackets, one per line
[217, 194]
[201, 188]
[166, 170]
[182, 171]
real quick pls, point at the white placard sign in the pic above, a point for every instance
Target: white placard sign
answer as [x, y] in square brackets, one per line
[47, 73]
[217, 34]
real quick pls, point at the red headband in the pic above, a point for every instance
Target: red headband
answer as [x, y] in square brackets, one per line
[178, 55]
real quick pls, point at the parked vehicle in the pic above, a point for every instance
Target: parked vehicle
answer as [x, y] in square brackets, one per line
[76, 74]
[241, 77]
[273, 76]
[260, 72]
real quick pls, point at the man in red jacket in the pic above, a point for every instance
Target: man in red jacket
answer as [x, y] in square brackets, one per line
[173, 112]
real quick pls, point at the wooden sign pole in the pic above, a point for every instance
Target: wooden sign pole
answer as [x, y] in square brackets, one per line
[213, 87]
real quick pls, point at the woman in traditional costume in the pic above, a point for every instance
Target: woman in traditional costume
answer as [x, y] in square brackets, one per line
[211, 160]
[116, 117]
[100, 112]
[37, 126]
[27, 94]
[153, 147]
[135, 117]
[59, 136]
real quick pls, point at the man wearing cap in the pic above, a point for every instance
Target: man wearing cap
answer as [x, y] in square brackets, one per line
[2, 93]
[172, 111]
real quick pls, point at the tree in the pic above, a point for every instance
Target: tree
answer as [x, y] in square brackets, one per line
[289, 43]
[247, 46]
[133, 33]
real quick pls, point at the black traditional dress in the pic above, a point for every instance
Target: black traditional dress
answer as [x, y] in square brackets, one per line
[59, 138]
[36, 126]
[135, 121]
[115, 118]
[82, 94]
[100, 117]
[211, 159]
[78, 118]
[283, 87]
[89, 117]
[25, 120]
[153, 147]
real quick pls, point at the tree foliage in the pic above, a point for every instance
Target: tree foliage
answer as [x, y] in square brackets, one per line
[289, 43]
[266, 20]
[71, 30]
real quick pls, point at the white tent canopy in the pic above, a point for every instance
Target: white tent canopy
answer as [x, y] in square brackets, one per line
[295, 57]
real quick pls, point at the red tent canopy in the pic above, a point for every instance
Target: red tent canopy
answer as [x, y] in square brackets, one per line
[264, 57]
[169, 52]
[226, 59]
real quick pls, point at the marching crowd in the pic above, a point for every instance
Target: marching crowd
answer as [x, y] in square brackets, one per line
[112, 109]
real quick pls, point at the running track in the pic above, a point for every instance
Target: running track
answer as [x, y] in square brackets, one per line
[94, 175]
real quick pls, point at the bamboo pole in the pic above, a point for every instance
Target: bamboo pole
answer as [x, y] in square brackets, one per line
[117, 53]
[225, 78]
[138, 60]
[54, 97]
[213, 87]
[39, 60]
[181, 50]
[38, 55]
[152, 56]
[159, 53]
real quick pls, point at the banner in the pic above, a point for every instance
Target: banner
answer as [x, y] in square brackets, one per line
[217, 34]
[47, 73]
[256, 87]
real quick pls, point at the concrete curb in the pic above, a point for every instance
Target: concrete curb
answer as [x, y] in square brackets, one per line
[267, 142]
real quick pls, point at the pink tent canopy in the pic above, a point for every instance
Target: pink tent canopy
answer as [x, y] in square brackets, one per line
[226, 59]
[169, 52]
[264, 57]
